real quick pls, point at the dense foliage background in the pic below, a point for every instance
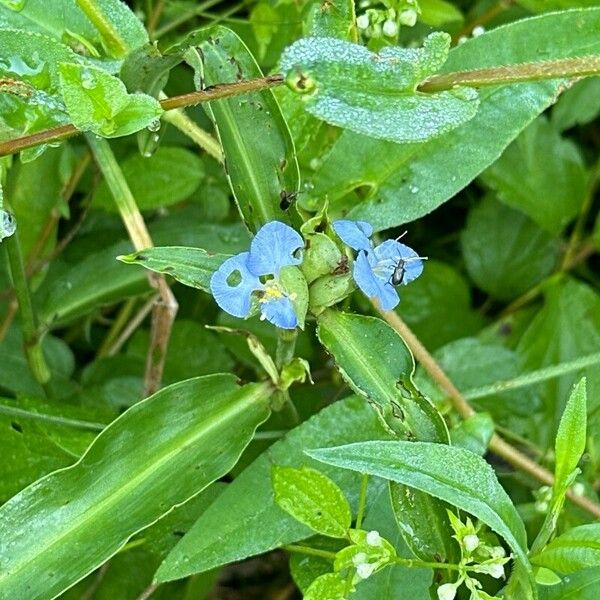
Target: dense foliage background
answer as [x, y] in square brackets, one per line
[224, 484]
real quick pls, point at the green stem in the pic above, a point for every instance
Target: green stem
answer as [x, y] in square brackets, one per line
[113, 40]
[297, 549]
[31, 336]
[420, 564]
[286, 346]
[120, 191]
[207, 142]
[183, 17]
[362, 500]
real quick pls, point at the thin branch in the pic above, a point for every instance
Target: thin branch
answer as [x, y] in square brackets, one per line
[497, 445]
[583, 66]
[155, 17]
[215, 92]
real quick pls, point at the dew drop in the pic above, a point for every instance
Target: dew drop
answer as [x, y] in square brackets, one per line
[154, 125]
[8, 224]
[413, 189]
[88, 79]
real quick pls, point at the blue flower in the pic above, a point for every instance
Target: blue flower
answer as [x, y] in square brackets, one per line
[274, 246]
[374, 266]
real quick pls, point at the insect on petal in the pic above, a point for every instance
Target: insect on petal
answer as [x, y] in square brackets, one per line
[373, 286]
[390, 252]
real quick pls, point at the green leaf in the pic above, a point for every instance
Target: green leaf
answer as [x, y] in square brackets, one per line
[423, 522]
[471, 363]
[439, 12]
[327, 587]
[246, 521]
[259, 153]
[358, 345]
[474, 433]
[454, 475]
[374, 94]
[582, 585]
[190, 266]
[99, 102]
[556, 335]
[33, 58]
[333, 18]
[167, 177]
[570, 438]
[192, 433]
[506, 253]
[67, 22]
[38, 184]
[313, 499]
[541, 174]
[15, 374]
[572, 551]
[578, 105]
[407, 181]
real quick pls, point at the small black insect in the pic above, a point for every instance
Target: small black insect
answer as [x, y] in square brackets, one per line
[400, 267]
[286, 199]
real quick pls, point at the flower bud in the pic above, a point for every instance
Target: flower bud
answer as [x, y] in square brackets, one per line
[447, 591]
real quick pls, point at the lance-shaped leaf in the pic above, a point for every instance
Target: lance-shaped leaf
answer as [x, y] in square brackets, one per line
[190, 266]
[452, 474]
[575, 549]
[158, 454]
[377, 364]
[347, 85]
[260, 159]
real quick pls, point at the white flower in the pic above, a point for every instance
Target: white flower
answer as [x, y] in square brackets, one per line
[478, 30]
[373, 538]
[497, 552]
[408, 17]
[471, 542]
[362, 22]
[390, 29]
[447, 591]
[359, 558]
[365, 570]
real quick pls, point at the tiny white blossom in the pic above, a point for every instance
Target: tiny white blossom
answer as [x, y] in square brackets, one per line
[408, 17]
[373, 538]
[447, 591]
[478, 30]
[578, 489]
[362, 22]
[365, 570]
[497, 552]
[359, 558]
[471, 542]
[390, 29]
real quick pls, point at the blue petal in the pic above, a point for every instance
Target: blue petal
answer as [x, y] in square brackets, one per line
[234, 299]
[280, 312]
[273, 247]
[388, 255]
[372, 285]
[355, 234]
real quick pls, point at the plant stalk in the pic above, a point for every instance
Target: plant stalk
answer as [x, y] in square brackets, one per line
[31, 335]
[113, 40]
[497, 444]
